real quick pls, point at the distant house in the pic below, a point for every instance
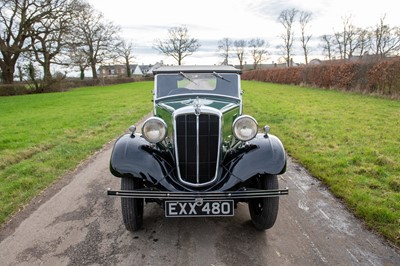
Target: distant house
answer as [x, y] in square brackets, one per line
[112, 71]
[315, 61]
[148, 69]
[365, 58]
[136, 70]
[119, 71]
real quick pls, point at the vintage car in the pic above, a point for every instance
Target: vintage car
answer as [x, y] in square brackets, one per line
[198, 155]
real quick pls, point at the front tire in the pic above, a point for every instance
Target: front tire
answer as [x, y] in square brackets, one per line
[263, 211]
[132, 209]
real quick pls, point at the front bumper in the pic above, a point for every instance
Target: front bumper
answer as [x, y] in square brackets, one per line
[210, 195]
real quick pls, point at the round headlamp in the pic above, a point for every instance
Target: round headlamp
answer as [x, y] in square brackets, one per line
[244, 128]
[154, 130]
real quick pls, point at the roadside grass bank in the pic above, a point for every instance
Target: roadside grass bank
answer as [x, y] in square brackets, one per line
[43, 136]
[349, 141]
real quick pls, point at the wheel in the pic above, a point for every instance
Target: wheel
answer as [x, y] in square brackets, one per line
[263, 211]
[132, 209]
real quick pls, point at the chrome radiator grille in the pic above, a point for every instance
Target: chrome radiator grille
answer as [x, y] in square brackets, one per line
[197, 147]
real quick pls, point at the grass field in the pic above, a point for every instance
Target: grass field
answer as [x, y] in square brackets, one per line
[349, 141]
[43, 136]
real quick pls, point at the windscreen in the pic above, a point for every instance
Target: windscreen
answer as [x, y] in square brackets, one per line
[197, 83]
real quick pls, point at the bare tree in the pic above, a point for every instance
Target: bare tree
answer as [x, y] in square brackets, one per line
[224, 47]
[363, 42]
[305, 18]
[344, 39]
[78, 58]
[353, 34]
[16, 19]
[258, 50]
[287, 18]
[48, 36]
[327, 43]
[240, 49]
[125, 52]
[385, 40]
[178, 44]
[352, 41]
[94, 36]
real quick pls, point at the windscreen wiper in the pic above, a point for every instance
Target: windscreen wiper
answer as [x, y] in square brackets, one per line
[186, 77]
[219, 76]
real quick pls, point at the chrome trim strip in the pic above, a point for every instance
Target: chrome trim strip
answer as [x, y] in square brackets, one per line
[197, 148]
[229, 107]
[166, 107]
[212, 195]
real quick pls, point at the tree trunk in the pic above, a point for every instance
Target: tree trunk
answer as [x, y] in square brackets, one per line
[128, 70]
[46, 72]
[7, 76]
[94, 71]
[7, 71]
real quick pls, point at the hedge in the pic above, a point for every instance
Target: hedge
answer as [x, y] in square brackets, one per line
[21, 88]
[378, 78]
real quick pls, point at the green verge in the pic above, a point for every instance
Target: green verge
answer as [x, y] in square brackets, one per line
[349, 141]
[43, 136]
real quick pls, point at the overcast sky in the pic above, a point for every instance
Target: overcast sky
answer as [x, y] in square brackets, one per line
[211, 20]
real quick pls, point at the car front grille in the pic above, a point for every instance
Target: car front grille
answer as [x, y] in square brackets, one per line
[197, 146]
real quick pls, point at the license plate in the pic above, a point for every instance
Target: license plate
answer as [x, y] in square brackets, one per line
[199, 208]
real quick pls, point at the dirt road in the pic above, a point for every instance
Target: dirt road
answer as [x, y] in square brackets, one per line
[75, 223]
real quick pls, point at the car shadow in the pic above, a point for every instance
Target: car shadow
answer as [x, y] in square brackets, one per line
[229, 240]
